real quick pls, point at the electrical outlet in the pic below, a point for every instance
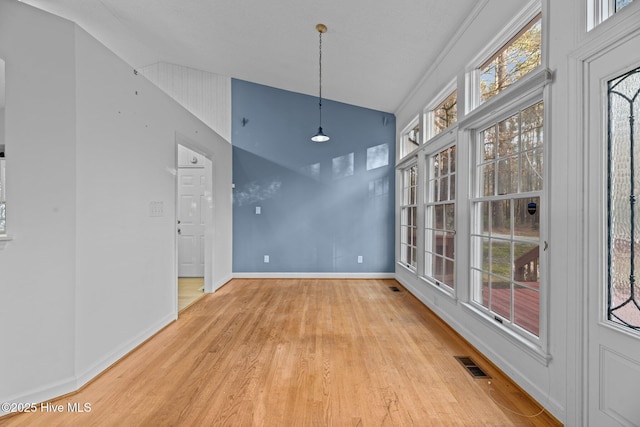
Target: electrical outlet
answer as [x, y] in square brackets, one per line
[258, 211]
[360, 259]
[266, 259]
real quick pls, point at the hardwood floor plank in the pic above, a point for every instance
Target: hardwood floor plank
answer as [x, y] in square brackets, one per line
[190, 289]
[299, 353]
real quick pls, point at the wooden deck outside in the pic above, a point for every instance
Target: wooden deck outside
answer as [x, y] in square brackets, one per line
[526, 305]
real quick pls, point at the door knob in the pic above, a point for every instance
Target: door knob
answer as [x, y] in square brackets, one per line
[179, 232]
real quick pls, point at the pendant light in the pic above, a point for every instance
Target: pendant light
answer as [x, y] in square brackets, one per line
[320, 136]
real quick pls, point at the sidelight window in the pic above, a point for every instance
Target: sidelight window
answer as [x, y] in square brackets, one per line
[623, 289]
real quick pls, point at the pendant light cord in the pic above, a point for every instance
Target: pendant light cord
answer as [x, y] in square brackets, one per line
[320, 136]
[320, 79]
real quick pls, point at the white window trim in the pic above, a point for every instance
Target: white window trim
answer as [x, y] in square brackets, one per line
[412, 162]
[515, 98]
[529, 87]
[533, 349]
[599, 11]
[437, 100]
[472, 93]
[446, 138]
[403, 134]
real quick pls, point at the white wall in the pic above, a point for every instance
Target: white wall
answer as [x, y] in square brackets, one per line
[37, 268]
[206, 95]
[89, 274]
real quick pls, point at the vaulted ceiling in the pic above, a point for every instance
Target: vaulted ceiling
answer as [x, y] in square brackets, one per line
[374, 52]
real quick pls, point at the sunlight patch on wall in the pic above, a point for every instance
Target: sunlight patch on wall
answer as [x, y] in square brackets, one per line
[254, 192]
[377, 156]
[379, 187]
[312, 171]
[343, 166]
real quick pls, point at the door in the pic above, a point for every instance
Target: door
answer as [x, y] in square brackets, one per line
[612, 370]
[191, 221]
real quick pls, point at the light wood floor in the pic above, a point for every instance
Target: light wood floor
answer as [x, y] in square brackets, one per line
[190, 289]
[298, 353]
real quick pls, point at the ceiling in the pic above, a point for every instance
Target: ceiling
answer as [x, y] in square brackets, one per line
[374, 52]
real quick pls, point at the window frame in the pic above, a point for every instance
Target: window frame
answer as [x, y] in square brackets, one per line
[409, 220]
[505, 105]
[429, 111]
[478, 199]
[598, 11]
[511, 31]
[416, 123]
[534, 86]
[448, 140]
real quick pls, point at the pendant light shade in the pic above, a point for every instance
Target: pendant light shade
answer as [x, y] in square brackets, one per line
[320, 136]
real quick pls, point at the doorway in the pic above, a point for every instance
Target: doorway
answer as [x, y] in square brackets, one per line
[194, 190]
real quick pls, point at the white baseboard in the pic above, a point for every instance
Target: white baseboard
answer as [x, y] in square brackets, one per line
[219, 283]
[42, 394]
[71, 384]
[314, 275]
[122, 351]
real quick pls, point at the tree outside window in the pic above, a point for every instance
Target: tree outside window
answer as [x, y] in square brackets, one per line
[521, 55]
[446, 113]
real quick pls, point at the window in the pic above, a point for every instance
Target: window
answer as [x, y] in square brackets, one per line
[445, 114]
[622, 3]
[518, 57]
[409, 217]
[505, 233]
[440, 218]
[411, 138]
[623, 290]
[600, 10]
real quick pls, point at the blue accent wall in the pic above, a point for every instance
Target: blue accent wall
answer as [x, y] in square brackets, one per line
[321, 204]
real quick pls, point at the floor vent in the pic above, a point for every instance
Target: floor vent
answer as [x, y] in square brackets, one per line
[471, 367]
[394, 288]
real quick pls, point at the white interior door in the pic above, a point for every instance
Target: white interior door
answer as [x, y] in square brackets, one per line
[191, 221]
[612, 371]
